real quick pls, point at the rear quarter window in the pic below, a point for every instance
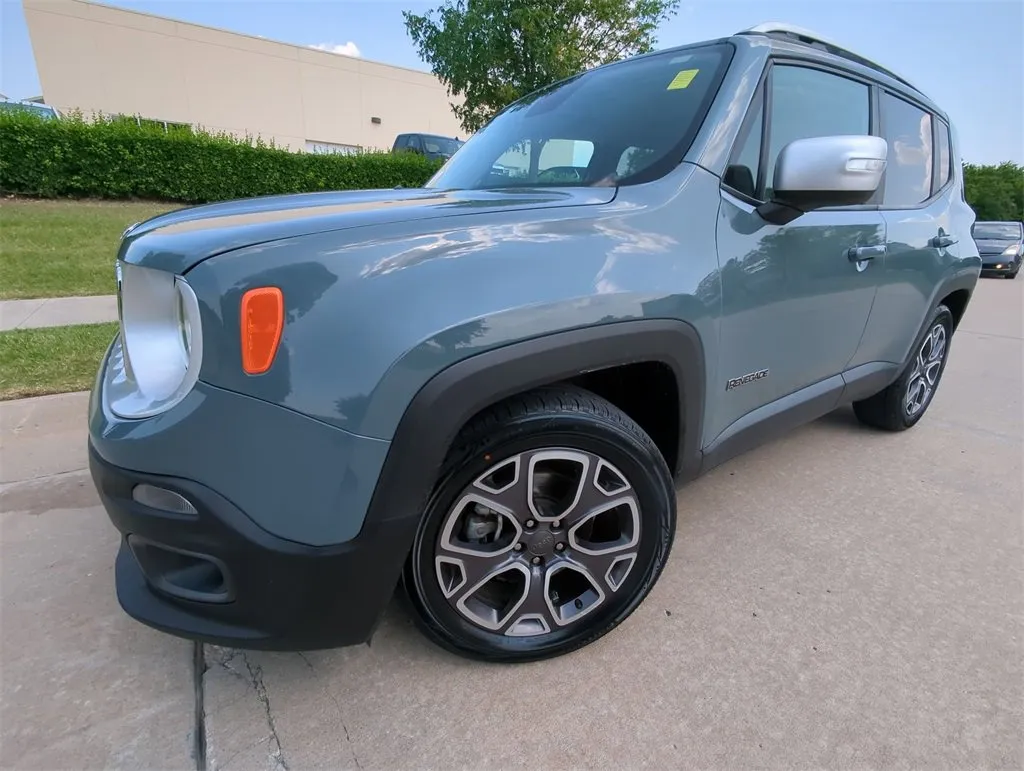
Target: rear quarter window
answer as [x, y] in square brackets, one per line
[908, 173]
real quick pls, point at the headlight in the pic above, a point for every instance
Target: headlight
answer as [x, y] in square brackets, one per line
[1011, 251]
[157, 358]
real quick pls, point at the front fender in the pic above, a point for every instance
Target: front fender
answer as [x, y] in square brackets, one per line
[372, 316]
[452, 397]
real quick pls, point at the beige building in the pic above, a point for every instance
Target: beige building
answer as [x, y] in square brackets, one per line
[96, 58]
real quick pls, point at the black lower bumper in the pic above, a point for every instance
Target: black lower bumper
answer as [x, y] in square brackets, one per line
[215, 576]
[990, 267]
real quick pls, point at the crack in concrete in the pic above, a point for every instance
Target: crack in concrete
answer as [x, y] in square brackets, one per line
[253, 675]
[337, 706]
[256, 676]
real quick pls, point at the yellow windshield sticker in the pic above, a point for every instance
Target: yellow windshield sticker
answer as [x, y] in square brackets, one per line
[682, 79]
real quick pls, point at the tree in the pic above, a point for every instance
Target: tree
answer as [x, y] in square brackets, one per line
[491, 52]
[996, 193]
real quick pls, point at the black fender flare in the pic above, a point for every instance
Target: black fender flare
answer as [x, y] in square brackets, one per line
[446, 402]
[964, 280]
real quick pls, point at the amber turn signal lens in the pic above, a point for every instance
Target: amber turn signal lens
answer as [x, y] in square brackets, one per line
[262, 320]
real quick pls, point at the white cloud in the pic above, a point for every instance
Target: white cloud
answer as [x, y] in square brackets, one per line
[345, 49]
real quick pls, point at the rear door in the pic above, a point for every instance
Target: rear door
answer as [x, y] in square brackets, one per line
[794, 303]
[922, 226]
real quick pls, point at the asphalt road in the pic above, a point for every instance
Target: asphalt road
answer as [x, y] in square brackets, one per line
[841, 598]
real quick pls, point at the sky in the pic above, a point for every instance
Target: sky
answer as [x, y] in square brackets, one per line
[967, 55]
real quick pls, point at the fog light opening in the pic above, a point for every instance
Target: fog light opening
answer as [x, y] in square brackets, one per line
[179, 573]
[164, 500]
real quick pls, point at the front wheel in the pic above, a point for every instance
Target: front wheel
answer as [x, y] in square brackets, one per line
[904, 402]
[550, 523]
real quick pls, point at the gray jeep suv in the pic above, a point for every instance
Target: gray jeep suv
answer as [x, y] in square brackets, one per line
[489, 389]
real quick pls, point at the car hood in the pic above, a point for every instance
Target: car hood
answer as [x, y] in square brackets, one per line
[993, 245]
[180, 239]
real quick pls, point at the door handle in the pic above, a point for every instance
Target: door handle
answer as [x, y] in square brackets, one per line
[941, 242]
[861, 253]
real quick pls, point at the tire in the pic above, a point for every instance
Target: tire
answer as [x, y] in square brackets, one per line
[895, 408]
[542, 605]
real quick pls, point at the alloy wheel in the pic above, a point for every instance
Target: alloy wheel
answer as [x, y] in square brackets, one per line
[538, 541]
[927, 368]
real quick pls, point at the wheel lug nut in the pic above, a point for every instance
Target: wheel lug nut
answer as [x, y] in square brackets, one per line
[559, 546]
[530, 523]
[518, 547]
[555, 525]
[535, 560]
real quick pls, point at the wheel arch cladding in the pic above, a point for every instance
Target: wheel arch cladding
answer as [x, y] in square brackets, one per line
[956, 301]
[454, 396]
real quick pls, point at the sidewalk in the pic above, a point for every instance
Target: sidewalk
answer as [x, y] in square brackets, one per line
[56, 312]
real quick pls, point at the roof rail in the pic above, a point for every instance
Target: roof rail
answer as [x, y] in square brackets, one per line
[806, 36]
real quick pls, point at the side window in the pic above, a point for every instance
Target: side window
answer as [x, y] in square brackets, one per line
[414, 143]
[554, 161]
[401, 142]
[741, 173]
[808, 103]
[908, 173]
[944, 168]
[633, 160]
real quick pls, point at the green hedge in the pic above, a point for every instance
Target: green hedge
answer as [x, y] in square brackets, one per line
[117, 158]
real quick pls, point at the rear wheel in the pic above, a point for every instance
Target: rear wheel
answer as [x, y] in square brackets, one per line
[551, 521]
[905, 401]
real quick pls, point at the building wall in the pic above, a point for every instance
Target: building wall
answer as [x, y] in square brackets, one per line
[101, 59]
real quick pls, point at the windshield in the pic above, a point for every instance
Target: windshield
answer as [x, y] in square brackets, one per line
[1000, 231]
[441, 145]
[627, 123]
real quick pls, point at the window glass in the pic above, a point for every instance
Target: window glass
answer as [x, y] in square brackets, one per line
[632, 160]
[812, 103]
[942, 142]
[1006, 231]
[741, 173]
[577, 132]
[908, 172]
[441, 145]
[559, 161]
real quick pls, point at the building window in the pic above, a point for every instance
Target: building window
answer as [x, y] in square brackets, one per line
[164, 125]
[330, 148]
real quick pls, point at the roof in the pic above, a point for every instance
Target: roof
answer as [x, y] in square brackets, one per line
[790, 37]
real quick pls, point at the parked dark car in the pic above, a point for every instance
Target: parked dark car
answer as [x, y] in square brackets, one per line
[431, 145]
[1001, 246]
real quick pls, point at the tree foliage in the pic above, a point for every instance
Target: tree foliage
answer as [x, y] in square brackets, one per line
[491, 52]
[996, 193]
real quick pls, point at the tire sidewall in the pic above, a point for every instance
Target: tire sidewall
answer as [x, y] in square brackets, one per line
[643, 467]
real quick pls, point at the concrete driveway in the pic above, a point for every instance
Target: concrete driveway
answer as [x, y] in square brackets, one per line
[841, 598]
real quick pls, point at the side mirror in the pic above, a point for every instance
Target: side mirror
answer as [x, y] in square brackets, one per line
[824, 171]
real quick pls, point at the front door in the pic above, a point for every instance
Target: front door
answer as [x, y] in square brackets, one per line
[795, 298]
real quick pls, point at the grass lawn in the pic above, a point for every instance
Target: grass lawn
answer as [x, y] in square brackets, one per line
[63, 248]
[51, 360]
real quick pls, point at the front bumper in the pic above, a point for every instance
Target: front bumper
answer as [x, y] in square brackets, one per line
[217, 577]
[998, 265]
[289, 539]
